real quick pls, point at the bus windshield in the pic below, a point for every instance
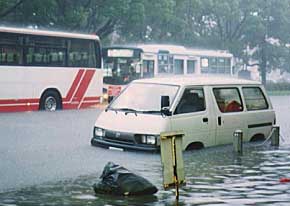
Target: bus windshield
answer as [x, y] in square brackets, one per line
[121, 66]
[144, 97]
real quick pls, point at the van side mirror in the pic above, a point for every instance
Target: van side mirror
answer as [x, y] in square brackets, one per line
[110, 99]
[165, 103]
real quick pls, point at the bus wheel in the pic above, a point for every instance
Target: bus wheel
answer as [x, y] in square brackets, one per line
[50, 101]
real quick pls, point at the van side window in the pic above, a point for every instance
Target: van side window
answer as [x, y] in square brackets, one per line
[254, 98]
[192, 100]
[228, 99]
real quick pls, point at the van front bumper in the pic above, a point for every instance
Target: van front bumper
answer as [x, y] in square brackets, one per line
[106, 144]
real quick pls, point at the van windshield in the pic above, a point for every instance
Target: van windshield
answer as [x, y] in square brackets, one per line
[142, 97]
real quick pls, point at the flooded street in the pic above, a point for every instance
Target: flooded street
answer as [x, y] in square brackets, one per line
[46, 159]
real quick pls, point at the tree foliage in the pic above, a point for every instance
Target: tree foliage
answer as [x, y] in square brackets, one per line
[255, 31]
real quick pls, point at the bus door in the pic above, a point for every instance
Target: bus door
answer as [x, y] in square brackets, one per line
[148, 68]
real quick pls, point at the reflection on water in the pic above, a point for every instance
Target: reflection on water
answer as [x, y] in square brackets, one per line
[215, 176]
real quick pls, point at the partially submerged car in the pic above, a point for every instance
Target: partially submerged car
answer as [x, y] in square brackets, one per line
[206, 109]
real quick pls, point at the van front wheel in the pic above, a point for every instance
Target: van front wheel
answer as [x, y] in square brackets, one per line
[50, 101]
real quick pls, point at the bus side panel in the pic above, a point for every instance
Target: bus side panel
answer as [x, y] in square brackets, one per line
[10, 82]
[15, 96]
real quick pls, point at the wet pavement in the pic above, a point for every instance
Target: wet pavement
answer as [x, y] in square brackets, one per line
[46, 159]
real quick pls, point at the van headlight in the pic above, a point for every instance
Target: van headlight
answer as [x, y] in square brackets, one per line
[99, 132]
[149, 139]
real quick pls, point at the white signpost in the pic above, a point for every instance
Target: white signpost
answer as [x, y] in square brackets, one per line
[172, 160]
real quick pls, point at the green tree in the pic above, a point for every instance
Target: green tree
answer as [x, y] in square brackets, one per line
[268, 34]
[8, 7]
[99, 16]
[238, 25]
[159, 15]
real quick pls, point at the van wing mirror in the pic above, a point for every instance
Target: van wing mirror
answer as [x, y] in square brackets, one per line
[110, 99]
[165, 102]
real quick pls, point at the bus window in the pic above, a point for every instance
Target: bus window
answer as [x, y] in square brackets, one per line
[10, 55]
[45, 51]
[82, 53]
[165, 62]
[178, 66]
[221, 65]
[36, 56]
[190, 66]
[204, 65]
[213, 65]
[10, 49]
[227, 65]
[148, 68]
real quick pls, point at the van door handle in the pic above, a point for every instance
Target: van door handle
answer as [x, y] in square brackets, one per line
[219, 121]
[205, 119]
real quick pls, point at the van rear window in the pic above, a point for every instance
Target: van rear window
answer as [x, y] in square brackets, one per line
[254, 98]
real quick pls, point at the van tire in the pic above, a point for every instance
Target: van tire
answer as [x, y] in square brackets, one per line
[257, 137]
[50, 101]
[195, 146]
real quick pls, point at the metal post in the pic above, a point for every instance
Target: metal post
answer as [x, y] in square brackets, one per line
[172, 160]
[175, 168]
[238, 141]
[275, 136]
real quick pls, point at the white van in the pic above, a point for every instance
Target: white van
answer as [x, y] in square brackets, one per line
[207, 109]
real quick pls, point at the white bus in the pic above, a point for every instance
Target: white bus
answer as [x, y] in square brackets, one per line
[122, 64]
[45, 70]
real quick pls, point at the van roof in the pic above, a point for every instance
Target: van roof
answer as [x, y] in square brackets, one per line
[197, 80]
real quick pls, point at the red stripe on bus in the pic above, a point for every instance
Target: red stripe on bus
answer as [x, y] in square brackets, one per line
[88, 104]
[74, 85]
[91, 98]
[83, 85]
[18, 108]
[18, 101]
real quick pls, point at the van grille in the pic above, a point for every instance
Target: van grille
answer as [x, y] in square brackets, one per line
[119, 137]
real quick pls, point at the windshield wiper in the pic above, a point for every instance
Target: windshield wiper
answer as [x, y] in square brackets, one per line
[109, 108]
[127, 110]
[150, 112]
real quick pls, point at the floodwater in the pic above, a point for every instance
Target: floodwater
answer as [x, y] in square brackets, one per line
[214, 176]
